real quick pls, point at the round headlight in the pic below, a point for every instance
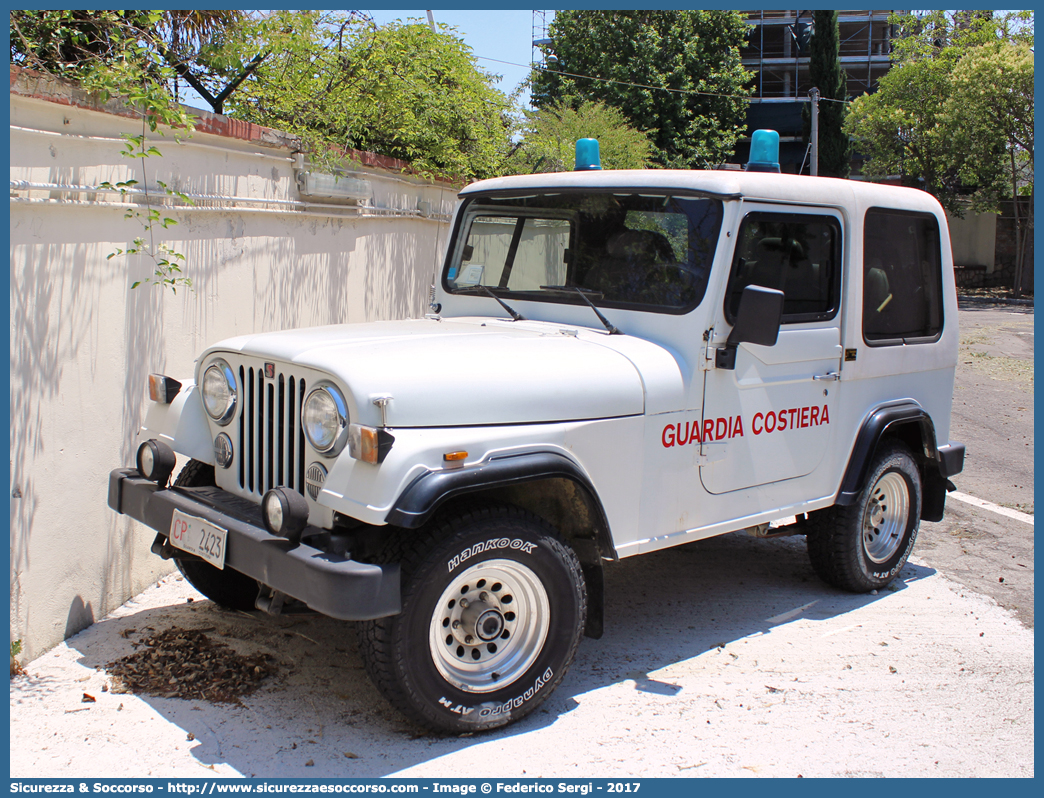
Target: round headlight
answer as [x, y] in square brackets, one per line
[325, 420]
[219, 391]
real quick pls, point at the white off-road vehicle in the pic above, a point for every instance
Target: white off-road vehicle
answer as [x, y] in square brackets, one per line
[616, 362]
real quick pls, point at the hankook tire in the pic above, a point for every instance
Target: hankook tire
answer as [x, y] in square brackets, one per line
[493, 608]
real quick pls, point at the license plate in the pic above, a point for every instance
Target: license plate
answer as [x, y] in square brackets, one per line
[198, 537]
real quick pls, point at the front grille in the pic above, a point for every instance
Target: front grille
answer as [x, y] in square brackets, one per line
[271, 439]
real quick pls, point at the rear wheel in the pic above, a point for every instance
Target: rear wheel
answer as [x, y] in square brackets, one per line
[226, 587]
[493, 608]
[863, 546]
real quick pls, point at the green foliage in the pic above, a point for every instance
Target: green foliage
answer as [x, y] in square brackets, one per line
[401, 90]
[675, 74]
[988, 117]
[825, 73]
[989, 112]
[912, 126]
[115, 54]
[16, 666]
[110, 53]
[167, 262]
[550, 134]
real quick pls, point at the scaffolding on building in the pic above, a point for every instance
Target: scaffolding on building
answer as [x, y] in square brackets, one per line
[541, 42]
[781, 71]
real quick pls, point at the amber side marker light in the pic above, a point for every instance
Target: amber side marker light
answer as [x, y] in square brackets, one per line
[455, 457]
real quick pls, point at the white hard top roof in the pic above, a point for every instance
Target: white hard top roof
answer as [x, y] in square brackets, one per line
[724, 184]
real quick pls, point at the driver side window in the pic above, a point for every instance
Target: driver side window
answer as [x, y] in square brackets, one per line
[798, 254]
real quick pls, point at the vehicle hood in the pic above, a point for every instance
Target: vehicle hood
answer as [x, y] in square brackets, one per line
[463, 372]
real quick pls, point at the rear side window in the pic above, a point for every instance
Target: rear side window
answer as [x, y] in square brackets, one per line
[902, 278]
[799, 254]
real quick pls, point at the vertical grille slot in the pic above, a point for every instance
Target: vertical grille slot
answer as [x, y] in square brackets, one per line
[299, 428]
[250, 455]
[240, 452]
[259, 457]
[271, 450]
[281, 437]
[271, 483]
[292, 406]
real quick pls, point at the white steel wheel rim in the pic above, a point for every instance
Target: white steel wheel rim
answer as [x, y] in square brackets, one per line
[489, 625]
[884, 522]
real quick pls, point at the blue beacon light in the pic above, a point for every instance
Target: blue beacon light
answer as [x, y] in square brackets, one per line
[587, 155]
[764, 151]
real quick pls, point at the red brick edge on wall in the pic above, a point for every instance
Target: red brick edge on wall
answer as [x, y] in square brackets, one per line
[39, 86]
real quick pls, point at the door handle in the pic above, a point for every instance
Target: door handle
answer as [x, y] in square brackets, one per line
[831, 375]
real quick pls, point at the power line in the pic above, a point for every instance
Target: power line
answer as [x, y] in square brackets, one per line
[637, 85]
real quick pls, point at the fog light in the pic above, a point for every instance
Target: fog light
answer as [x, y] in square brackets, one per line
[156, 461]
[223, 450]
[284, 513]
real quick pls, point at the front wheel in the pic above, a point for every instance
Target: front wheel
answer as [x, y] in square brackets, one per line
[863, 546]
[493, 608]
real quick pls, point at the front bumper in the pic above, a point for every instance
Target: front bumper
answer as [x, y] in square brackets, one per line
[328, 583]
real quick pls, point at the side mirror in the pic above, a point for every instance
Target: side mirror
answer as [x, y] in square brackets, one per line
[757, 322]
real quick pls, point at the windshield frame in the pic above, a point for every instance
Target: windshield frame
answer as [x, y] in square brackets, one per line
[476, 204]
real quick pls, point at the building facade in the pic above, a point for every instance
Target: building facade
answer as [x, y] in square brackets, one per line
[777, 53]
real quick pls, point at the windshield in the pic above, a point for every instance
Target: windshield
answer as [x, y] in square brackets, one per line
[651, 251]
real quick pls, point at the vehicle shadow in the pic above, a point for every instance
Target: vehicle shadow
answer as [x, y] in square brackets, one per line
[321, 716]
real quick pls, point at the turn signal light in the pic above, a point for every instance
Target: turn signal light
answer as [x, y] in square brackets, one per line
[455, 457]
[163, 389]
[369, 444]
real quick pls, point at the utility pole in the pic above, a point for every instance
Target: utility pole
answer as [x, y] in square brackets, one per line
[431, 21]
[814, 94]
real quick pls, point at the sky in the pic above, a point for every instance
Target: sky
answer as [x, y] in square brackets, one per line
[493, 36]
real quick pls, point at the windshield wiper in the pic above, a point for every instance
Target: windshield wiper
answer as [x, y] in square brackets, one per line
[485, 289]
[583, 292]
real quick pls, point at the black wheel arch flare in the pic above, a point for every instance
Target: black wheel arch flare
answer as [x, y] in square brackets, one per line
[909, 422]
[424, 495]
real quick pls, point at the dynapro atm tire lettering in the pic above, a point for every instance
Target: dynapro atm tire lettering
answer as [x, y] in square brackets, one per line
[506, 706]
[616, 363]
[723, 429]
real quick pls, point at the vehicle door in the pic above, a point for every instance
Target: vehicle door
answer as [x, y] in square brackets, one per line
[768, 419]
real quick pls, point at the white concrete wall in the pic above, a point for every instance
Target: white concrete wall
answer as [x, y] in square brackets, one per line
[974, 239]
[83, 342]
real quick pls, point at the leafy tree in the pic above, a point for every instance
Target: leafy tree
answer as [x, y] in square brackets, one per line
[989, 116]
[674, 74]
[336, 80]
[825, 73]
[110, 53]
[902, 129]
[206, 51]
[400, 90]
[550, 134]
